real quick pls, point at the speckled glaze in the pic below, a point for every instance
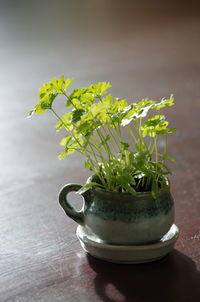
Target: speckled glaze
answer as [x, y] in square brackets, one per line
[121, 218]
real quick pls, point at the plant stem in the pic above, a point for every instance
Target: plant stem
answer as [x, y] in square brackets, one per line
[113, 136]
[71, 133]
[132, 133]
[156, 149]
[165, 143]
[156, 154]
[111, 139]
[70, 101]
[105, 146]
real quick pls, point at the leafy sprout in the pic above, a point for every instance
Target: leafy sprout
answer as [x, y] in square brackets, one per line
[93, 127]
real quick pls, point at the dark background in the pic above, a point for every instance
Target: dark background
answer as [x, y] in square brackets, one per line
[145, 49]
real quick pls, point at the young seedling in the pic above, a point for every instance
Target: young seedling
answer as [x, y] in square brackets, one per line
[93, 127]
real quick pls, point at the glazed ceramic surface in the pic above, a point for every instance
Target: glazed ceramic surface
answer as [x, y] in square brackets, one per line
[127, 254]
[121, 218]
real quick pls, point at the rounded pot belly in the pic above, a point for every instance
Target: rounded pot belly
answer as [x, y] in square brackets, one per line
[142, 231]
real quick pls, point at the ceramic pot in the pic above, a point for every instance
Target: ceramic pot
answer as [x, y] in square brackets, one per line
[121, 218]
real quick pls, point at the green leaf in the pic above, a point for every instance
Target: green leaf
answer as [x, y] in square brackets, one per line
[65, 140]
[85, 128]
[167, 170]
[67, 151]
[100, 88]
[165, 103]
[81, 98]
[143, 104]
[154, 120]
[104, 141]
[118, 105]
[30, 113]
[130, 179]
[124, 145]
[49, 92]
[87, 99]
[171, 157]
[100, 111]
[76, 115]
[125, 180]
[87, 165]
[38, 109]
[166, 155]
[46, 100]
[136, 111]
[154, 125]
[88, 186]
[171, 130]
[88, 127]
[73, 102]
[65, 122]
[127, 115]
[131, 157]
[67, 83]
[129, 189]
[77, 93]
[58, 86]
[140, 146]
[142, 112]
[63, 154]
[147, 130]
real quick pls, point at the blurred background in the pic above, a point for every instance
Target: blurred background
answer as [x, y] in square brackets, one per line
[145, 49]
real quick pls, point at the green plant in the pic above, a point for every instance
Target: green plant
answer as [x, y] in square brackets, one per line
[94, 125]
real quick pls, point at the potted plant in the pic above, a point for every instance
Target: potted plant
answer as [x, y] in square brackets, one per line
[127, 200]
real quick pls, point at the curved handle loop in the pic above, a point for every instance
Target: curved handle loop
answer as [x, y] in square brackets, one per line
[78, 216]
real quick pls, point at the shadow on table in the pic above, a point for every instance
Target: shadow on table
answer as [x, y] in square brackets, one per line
[174, 278]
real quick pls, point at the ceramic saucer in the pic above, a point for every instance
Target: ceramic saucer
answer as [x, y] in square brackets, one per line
[127, 254]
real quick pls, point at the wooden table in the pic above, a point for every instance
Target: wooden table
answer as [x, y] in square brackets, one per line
[144, 49]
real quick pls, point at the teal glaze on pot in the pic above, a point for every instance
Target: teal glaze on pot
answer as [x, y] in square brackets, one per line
[126, 207]
[121, 218]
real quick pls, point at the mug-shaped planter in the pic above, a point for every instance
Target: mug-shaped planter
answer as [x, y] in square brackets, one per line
[121, 218]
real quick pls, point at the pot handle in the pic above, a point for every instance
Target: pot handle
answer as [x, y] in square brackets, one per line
[78, 216]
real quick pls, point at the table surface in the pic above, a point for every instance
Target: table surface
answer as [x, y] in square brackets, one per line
[144, 49]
